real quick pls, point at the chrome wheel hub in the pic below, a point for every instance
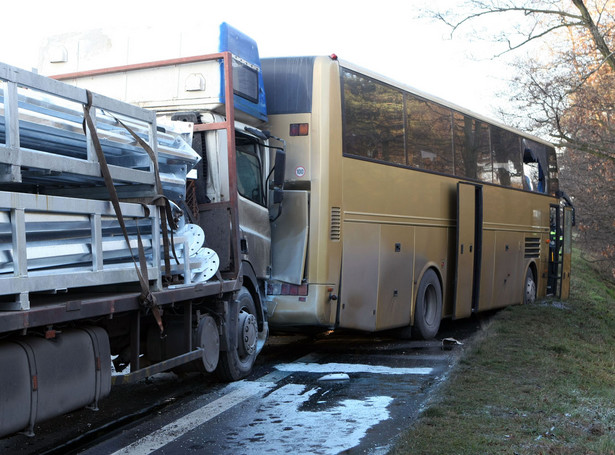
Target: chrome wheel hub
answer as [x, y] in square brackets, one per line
[248, 334]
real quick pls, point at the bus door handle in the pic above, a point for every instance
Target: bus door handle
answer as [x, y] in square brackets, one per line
[462, 248]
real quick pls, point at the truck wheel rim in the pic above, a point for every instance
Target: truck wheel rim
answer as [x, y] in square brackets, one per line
[248, 334]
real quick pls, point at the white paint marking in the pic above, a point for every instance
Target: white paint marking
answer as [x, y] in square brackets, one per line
[163, 436]
[348, 368]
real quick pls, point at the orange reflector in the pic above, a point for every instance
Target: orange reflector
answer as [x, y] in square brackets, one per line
[299, 129]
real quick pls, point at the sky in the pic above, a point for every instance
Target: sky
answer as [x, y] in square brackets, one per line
[385, 36]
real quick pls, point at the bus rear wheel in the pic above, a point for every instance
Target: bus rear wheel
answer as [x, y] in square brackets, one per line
[237, 363]
[428, 308]
[529, 289]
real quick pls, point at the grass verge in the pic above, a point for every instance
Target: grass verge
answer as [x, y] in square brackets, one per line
[538, 379]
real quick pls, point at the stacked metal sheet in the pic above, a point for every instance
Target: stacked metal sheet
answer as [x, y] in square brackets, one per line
[56, 229]
[50, 132]
[60, 240]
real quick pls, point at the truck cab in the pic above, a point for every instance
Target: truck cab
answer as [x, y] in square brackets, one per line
[232, 194]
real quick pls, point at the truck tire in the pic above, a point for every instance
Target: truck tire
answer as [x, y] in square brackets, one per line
[236, 363]
[428, 308]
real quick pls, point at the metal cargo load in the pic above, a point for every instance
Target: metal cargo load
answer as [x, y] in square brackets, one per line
[58, 229]
[43, 144]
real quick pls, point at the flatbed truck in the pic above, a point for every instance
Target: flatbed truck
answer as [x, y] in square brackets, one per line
[120, 242]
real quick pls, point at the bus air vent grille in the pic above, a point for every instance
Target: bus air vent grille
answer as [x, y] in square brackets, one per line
[336, 224]
[532, 247]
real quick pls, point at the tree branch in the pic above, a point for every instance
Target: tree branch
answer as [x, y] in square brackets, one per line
[601, 44]
[534, 37]
[500, 10]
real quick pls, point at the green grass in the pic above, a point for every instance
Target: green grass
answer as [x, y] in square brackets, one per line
[538, 379]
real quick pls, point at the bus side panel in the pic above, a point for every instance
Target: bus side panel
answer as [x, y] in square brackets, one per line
[377, 276]
[360, 274]
[543, 265]
[507, 276]
[395, 284]
[487, 271]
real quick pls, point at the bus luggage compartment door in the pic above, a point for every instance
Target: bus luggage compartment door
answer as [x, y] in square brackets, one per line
[469, 247]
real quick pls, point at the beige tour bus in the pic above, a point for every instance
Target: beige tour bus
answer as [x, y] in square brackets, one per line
[401, 209]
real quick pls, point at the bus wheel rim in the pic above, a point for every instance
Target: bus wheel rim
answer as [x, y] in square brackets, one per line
[431, 301]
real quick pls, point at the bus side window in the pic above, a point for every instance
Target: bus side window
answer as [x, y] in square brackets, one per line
[471, 145]
[428, 127]
[373, 119]
[533, 174]
[507, 168]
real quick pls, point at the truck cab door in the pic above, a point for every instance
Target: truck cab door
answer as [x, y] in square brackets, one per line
[254, 225]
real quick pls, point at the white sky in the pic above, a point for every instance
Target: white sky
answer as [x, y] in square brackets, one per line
[384, 36]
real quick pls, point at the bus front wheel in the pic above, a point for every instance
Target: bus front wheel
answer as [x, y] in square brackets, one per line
[428, 308]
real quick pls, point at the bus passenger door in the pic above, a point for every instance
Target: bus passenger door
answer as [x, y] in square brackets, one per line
[560, 249]
[566, 253]
[469, 247]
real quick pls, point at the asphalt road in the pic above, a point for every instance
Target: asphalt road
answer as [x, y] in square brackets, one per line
[328, 394]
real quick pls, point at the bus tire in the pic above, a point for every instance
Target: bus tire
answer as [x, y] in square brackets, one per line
[235, 364]
[428, 308]
[529, 287]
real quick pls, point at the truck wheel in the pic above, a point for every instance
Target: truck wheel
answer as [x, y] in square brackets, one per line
[237, 363]
[529, 289]
[428, 308]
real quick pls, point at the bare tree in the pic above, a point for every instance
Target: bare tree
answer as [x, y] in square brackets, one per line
[563, 89]
[567, 45]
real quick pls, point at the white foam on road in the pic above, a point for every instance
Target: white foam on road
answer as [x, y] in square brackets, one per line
[288, 425]
[328, 368]
[287, 420]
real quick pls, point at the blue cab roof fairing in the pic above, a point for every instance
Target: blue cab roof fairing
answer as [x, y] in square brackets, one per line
[247, 73]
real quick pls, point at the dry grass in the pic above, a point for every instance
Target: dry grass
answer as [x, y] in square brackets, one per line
[539, 379]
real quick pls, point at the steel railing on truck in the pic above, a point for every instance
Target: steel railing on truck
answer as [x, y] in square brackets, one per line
[42, 139]
[50, 239]
[50, 243]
